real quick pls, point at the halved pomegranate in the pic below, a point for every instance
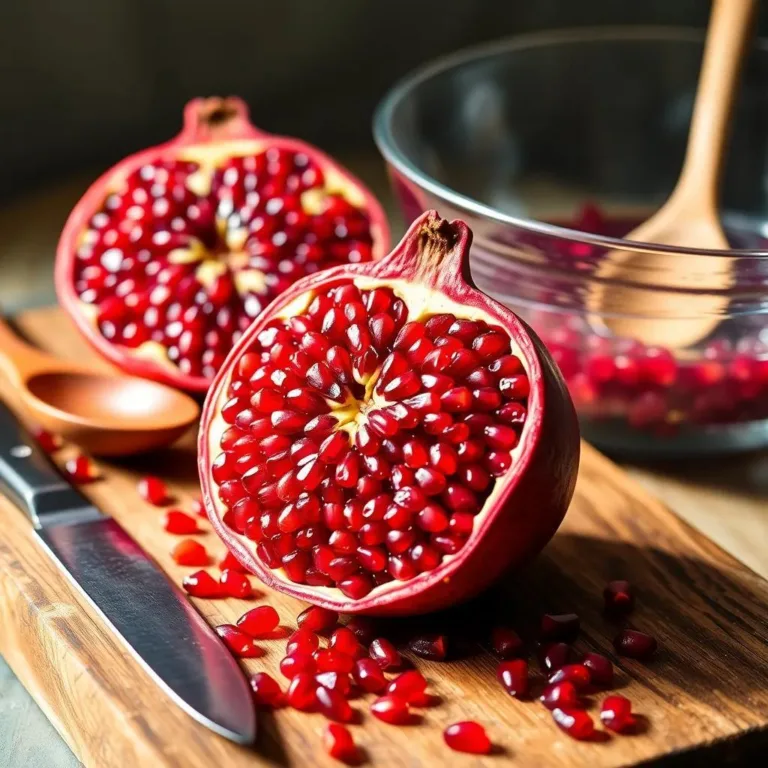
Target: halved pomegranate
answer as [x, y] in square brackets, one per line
[170, 255]
[385, 438]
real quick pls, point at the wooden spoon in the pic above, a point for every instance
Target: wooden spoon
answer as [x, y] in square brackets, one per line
[106, 414]
[689, 218]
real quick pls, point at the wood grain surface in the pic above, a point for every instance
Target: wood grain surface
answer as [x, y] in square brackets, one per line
[705, 694]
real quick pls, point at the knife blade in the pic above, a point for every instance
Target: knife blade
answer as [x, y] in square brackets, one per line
[153, 618]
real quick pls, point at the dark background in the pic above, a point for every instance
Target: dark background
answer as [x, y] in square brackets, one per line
[87, 81]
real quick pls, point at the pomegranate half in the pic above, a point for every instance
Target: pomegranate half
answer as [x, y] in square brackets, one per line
[170, 255]
[386, 439]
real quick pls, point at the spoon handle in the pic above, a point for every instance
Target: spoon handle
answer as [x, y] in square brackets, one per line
[17, 358]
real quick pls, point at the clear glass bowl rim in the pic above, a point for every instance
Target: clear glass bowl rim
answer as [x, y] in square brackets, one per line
[384, 138]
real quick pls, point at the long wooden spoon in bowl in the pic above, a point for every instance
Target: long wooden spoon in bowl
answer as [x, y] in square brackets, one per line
[688, 219]
[104, 413]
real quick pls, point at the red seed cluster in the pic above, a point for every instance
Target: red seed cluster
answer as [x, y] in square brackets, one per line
[360, 445]
[146, 257]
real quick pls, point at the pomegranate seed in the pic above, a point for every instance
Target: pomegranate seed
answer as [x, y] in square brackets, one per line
[368, 675]
[506, 643]
[153, 490]
[563, 627]
[392, 710]
[363, 628]
[333, 705]
[302, 641]
[180, 523]
[552, 656]
[297, 664]
[616, 714]
[600, 669]
[301, 692]
[575, 722]
[635, 644]
[316, 619]
[513, 675]
[339, 744]
[467, 736]
[80, 470]
[267, 693]
[259, 622]
[190, 552]
[198, 507]
[344, 641]
[238, 642]
[46, 440]
[230, 563]
[409, 686]
[619, 598]
[432, 647]
[329, 660]
[235, 584]
[385, 654]
[560, 695]
[577, 674]
[201, 584]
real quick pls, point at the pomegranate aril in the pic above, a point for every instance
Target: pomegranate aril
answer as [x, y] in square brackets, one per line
[180, 523]
[575, 722]
[259, 622]
[600, 669]
[316, 619]
[190, 552]
[384, 654]
[616, 714]
[562, 695]
[635, 644]
[619, 598]
[302, 641]
[392, 710]
[369, 676]
[230, 563]
[80, 470]
[333, 705]
[332, 660]
[339, 744]
[47, 441]
[153, 490]
[469, 737]
[356, 587]
[363, 628]
[202, 584]
[578, 674]
[553, 656]
[506, 643]
[301, 692]
[513, 675]
[235, 584]
[344, 641]
[238, 641]
[562, 627]
[432, 647]
[296, 664]
[409, 686]
[266, 691]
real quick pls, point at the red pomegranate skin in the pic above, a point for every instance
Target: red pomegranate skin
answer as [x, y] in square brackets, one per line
[203, 128]
[527, 503]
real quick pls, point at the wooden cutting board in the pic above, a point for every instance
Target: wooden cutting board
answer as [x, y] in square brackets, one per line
[704, 696]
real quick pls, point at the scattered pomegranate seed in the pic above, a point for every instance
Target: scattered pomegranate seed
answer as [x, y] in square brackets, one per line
[577, 674]
[301, 692]
[363, 628]
[619, 598]
[513, 675]
[506, 643]
[563, 627]
[230, 563]
[467, 736]
[202, 584]
[297, 664]
[259, 621]
[180, 523]
[46, 440]
[432, 647]
[560, 695]
[409, 686]
[190, 552]
[339, 744]
[368, 675]
[344, 641]
[575, 722]
[392, 710]
[385, 654]
[266, 690]
[317, 619]
[600, 669]
[238, 642]
[302, 641]
[635, 644]
[197, 506]
[153, 490]
[80, 470]
[236, 584]
[552, 656]
[616, 714]
[333, 705]
[334, 681]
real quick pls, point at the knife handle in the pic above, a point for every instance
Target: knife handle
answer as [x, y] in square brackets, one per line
[29, 479]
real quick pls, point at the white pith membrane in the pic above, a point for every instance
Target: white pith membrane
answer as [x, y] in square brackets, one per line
[351, 413]
[202, 242]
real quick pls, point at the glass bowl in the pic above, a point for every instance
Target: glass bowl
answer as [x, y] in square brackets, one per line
[552, 147]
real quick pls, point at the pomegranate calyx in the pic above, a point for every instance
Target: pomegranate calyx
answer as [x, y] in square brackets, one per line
[216, 119]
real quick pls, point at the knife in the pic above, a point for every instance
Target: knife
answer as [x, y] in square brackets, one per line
[154, 619]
